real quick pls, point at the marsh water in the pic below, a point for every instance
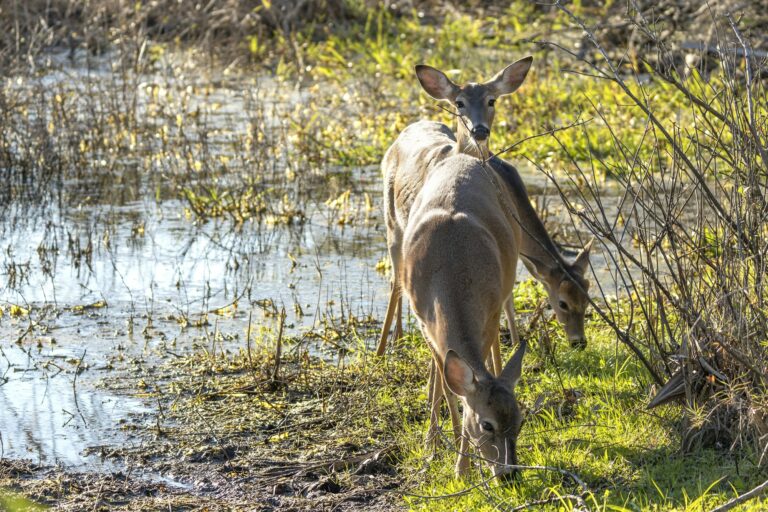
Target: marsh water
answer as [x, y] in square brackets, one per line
[109, 270]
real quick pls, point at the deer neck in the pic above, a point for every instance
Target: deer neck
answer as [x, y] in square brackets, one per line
[467, 145]
[535, 242]
[453, 328]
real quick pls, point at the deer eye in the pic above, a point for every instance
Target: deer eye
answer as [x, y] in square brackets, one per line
[486, 425]
[459, 104]
[563, 305]
[491, 102]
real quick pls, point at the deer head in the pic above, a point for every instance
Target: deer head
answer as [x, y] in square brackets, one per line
[492, 416]
[567, 289]
[474, 102]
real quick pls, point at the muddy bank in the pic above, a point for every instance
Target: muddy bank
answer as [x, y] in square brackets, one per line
[74, 491]
[233, 430]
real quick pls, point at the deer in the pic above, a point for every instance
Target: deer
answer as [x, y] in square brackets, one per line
[421, 146]
[460, 249]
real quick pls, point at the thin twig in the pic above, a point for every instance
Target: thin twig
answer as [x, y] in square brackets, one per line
[552, 499]
[542, 134]
[74, 387]
[741, 499]
[279, 345]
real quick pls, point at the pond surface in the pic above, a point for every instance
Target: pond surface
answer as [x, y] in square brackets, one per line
[111, 270]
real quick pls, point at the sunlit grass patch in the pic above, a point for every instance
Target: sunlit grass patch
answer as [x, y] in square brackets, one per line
[330, 402]
[586, 415]
[14, 502]
[373, 84]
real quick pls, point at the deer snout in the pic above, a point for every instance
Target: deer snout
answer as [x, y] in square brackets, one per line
[480, 133]
[579, 342]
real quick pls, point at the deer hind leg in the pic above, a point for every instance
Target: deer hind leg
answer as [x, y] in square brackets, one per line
[399, 317]
[393, 307]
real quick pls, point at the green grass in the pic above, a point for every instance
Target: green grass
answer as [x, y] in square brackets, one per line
[15, 502]
[585, 414]
[371, 93]
[590, 419]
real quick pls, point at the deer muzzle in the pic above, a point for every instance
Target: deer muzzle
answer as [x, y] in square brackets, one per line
[480, 133]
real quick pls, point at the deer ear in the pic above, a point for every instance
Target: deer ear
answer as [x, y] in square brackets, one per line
[509, 79]
[537, 268]
[514, 368]
[581, 262]
[458, 374]
[436, 83]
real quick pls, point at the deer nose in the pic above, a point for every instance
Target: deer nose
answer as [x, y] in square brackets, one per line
[480, 133]
[578, 342]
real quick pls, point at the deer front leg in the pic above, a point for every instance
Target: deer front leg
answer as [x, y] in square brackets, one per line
[434, 397]
[462, 460]
[453, 406]
[509, 310]
[495, 357]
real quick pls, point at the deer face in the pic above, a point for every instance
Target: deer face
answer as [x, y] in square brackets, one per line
[474, 102]
[567, 289]
[492, 416]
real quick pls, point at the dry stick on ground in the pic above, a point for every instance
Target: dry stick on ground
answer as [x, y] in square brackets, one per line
[279, 345]
[248, 345]
[74, 387]
[554, 499]
[741, 499]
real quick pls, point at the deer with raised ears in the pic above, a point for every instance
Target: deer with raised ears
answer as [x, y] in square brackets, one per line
[474, 102]
[423, 145]
[460, 250]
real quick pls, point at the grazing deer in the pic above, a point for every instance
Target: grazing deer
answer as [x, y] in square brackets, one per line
[460, 249]
[423, 145]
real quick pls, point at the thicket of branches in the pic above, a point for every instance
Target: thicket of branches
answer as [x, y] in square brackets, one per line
[261, 31]
[689, 240]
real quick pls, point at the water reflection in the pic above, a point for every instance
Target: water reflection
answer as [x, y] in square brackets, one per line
[50, 417]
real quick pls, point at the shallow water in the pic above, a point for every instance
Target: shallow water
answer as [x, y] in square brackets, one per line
[49, 417]
[109, 269]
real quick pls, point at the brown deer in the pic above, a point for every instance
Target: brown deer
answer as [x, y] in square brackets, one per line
[460, 249]
[423, 145]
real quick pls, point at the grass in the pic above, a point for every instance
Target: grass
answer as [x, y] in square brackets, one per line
[585, 414]
[586, 409]
[15, 502]
[372, 70]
